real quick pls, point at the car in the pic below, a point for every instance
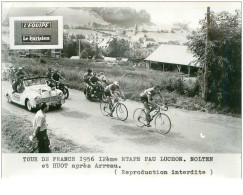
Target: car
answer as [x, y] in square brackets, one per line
[36, 91]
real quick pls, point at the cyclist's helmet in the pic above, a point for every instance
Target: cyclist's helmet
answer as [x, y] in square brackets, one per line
[49, 69]
[89, 70]
[116, 83]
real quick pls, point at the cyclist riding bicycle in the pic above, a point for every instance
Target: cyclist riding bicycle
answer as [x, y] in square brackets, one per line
[147, 100]
[113, 91]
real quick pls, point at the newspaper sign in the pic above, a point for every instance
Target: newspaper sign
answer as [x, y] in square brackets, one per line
[44, 32]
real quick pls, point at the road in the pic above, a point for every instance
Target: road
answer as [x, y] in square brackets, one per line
[192, 131]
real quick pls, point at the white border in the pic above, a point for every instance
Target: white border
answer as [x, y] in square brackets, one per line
[60, 32]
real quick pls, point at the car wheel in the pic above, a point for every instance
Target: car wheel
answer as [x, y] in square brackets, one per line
[28, 106]
[8, 98]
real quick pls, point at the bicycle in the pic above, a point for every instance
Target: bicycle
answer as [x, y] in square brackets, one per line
[161, 120]
[120, 108]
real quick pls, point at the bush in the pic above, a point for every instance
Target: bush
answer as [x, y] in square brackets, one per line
[43, 61]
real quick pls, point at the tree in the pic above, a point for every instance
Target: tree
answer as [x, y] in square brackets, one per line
[223, 58]
[70, 49]
[117, 48]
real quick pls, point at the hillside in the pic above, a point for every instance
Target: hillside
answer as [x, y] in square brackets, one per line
[126, 17]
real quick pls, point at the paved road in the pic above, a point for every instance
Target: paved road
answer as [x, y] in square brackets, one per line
[81, 121]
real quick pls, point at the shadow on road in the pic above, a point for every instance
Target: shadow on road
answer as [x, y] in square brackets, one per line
[75, 114]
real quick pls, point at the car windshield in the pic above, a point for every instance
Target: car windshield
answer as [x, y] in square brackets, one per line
[35, 81]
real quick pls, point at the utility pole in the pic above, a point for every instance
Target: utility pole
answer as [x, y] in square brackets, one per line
[205, 89]
[79, 48]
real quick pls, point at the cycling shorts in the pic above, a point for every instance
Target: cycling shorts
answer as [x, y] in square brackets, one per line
[144, 99]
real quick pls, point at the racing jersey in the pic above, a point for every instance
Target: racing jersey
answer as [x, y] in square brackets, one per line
[148, 92]
[112, 87]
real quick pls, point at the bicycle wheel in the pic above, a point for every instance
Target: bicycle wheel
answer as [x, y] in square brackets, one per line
[139, 117]
[162, 123]
[104, 107]
[121, 112]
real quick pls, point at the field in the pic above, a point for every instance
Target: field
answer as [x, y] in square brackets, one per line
[132, 80]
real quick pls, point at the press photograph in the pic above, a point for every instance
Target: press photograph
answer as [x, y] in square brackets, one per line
[113, 77]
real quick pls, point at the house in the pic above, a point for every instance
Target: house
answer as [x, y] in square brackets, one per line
[171, 57]
[109, 59]
[74, 58]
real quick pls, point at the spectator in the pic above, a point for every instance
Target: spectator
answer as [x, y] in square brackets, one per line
[40, 129]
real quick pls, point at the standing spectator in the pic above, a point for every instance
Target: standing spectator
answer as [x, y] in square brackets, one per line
[40, 129]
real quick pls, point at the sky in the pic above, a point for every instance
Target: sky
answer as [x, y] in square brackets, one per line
[185, 12]
[161, 12]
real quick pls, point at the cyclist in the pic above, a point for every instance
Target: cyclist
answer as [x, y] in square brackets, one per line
[147, 100]
[113, 91]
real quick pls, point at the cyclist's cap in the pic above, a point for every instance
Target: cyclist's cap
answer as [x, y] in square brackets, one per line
[116, 83]
[89, 70]
[49, 68]
[20, 68]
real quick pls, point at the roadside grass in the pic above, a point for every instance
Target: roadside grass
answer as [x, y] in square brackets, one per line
[16, 132]
[132, 80]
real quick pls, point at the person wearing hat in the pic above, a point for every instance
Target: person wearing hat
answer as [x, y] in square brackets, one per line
[147, 100]
[40, 129]
[112, 92]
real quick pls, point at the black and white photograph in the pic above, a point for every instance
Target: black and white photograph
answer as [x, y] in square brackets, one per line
[156, 79]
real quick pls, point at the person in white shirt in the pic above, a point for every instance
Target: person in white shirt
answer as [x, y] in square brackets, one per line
[40, 129]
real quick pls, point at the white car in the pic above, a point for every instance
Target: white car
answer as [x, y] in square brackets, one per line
[35, 92]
